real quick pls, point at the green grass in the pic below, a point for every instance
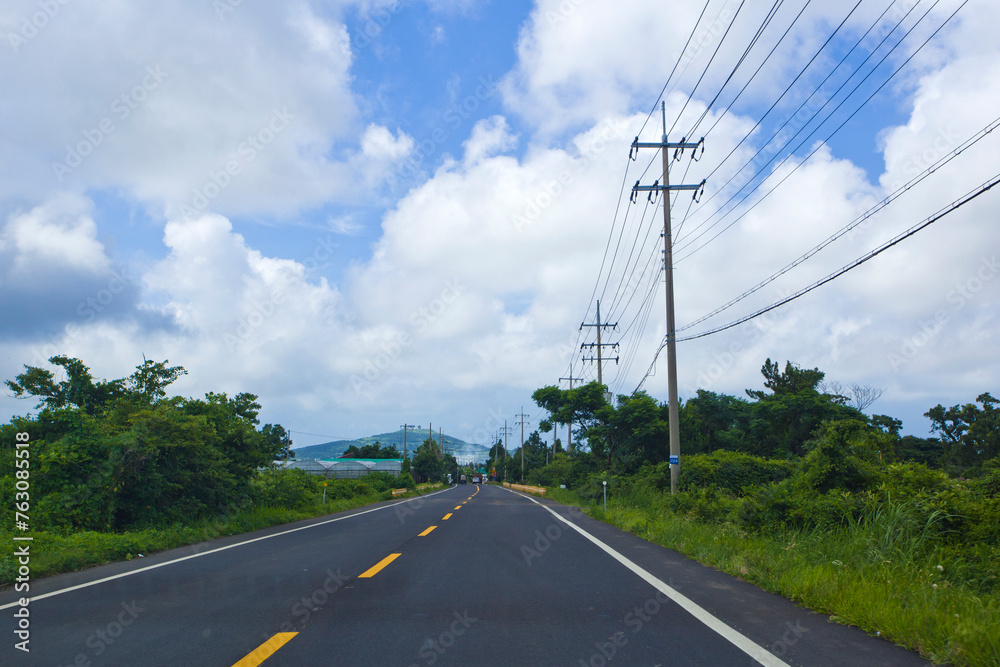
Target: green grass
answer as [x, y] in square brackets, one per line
[55, 553]
[877, 573]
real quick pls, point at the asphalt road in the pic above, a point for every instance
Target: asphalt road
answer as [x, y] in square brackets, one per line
[500, 579]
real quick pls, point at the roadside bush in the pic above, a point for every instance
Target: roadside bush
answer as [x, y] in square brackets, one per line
[732, 472]
[844, 457]
[558, 471]
[286, 488]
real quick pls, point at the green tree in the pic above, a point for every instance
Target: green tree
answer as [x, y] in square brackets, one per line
[77, 390]
[711, 421]
[780, 423]
[631, 434]
[428, 461]
[970, 433]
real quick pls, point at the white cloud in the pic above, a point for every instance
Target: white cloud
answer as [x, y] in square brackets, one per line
[489, 137]
[58, 235]
[378, 143]
[253, 108]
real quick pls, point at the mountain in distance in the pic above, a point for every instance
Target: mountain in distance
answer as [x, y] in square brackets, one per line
[464, 452]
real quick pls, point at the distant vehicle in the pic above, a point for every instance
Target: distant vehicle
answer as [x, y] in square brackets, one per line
[461, 479]
[477, 479]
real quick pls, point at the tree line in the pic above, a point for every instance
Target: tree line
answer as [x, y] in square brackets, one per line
[111, 455]
[779, 421]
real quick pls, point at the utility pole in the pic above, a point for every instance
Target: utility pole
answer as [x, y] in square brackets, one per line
[521, 422]
[668, 267]
[569, 430]
[599, 344]
[404, 427]
[505, 450]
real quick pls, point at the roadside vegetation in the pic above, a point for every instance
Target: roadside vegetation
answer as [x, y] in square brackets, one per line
[798, 491]
[118, 470]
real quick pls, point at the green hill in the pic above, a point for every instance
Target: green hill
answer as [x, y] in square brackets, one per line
[463, 451]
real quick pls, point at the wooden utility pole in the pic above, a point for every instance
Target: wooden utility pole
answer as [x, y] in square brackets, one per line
[599, 344]
[668, 267]
[569, 434]
[521, 417]
[404, 427]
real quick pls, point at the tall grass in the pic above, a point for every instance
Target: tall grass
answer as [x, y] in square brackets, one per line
[884, 570]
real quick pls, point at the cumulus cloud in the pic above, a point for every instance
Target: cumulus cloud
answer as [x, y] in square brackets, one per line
[474, 293]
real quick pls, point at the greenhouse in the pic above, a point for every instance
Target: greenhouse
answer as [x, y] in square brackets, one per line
[344, 468]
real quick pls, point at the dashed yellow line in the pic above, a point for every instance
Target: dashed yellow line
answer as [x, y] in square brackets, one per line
[446, 516]
[265, 650]
[375, 569]
[427, 532]
[458, 507]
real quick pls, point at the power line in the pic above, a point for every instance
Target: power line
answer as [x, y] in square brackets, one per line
[819, 145]
[955, 205]
[881, 205]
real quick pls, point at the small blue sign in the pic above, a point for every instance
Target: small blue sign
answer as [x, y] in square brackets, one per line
[675, 460]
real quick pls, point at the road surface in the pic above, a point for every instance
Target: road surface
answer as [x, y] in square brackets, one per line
[471, 575]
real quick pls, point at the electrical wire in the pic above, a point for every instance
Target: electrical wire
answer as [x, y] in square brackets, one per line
[820, 145]
[881, 205]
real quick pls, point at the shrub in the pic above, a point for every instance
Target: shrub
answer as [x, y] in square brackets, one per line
[286, 488]
[732, 472]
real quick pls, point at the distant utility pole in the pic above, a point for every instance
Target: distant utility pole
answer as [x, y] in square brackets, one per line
[404, 427]
[668, 267]
[599, 344]
[521, 422]
[505, 433]
[569, 434]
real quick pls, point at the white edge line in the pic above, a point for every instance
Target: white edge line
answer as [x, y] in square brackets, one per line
[211, 551]
[737, 639]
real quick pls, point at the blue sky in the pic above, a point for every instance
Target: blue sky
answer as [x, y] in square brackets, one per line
[372, 213]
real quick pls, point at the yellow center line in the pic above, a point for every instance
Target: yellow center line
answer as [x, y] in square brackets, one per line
[427, 532]
[375, 569]
[265, 650]
[446, 516]
[458, 507]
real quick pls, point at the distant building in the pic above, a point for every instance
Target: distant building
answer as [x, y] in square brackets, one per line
[344, 468]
